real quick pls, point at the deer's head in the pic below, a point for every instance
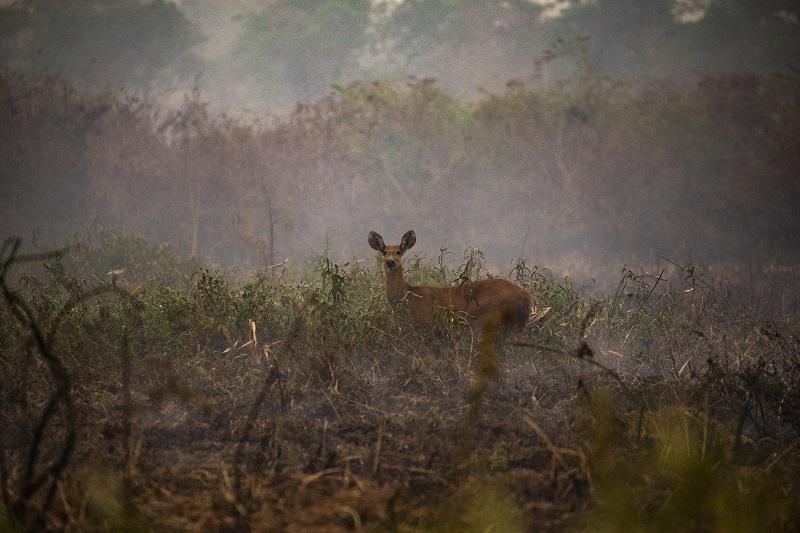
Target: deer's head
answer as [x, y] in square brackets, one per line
[393, 254]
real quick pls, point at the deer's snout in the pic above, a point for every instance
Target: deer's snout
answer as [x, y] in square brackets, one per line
[390, 263]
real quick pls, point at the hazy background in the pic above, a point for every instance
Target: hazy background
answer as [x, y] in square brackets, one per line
[265, 56]
[579, 136]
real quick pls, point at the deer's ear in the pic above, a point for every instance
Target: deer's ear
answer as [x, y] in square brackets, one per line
[408, 240]
[376, 242]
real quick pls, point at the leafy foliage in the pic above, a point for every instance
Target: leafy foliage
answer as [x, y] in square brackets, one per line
[131, 42]
[622, 171]
[284, 52]
[303, 47]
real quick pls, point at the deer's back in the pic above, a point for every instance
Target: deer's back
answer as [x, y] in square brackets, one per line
[477, 301]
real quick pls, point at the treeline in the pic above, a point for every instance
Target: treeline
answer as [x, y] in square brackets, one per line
[588, 173]
[273, 54]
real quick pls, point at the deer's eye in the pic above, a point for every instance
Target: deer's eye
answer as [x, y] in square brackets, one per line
[384, 252]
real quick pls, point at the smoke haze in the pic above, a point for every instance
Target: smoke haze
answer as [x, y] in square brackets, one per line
[577, 136]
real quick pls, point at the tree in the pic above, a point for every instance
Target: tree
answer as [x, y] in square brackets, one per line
[646, 37]
[756, 35]
[303, 45]
[468, 44]
[125, 42]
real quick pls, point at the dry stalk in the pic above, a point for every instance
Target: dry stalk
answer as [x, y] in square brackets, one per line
[376, 463]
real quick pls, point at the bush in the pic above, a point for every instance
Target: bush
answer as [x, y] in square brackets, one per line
[583, 175]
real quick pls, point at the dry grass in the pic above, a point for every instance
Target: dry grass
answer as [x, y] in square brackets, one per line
[309, 406]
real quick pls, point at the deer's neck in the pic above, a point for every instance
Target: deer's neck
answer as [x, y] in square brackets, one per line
[396, 285]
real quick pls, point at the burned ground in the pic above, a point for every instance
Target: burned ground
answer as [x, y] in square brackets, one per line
[268, 406]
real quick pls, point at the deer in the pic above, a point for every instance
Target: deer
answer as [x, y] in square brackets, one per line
[490, 306]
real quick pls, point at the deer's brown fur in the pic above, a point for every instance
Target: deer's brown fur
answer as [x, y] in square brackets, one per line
[488, 303]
